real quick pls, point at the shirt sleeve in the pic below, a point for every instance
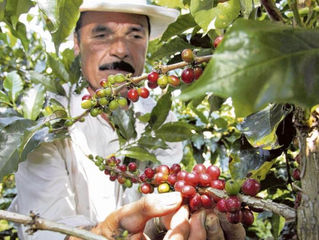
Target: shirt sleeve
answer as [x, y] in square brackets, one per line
[44, 187]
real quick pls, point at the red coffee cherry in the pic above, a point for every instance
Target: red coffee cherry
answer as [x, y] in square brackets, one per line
[172, 179]
[195, 202]
[163, 169]
[233, 204]
[218, 184]
[152, 85]
[86, 97]
[206, 201]
[213, 171]
[174, 81]
[152, 77]
[149, 172]
[217, 41]
[188, 75]
[221, 205]
[132, 94]
[192, 178]
[198, 72]
[247, 217]
[146, 188]
[178, 186]
[143, 92]
[199, 168]
[296, 174]
[181, 175]
[234, 217]
[250, 187]
[175, 168]
[204, 179]
[132, 166]
[188, 191]
[103, 83]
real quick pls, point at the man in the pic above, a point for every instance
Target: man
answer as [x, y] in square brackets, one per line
[57, 180]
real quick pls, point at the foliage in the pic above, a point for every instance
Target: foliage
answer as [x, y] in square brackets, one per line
[236, 115]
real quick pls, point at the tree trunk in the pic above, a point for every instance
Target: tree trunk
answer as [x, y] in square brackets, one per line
[308, 211]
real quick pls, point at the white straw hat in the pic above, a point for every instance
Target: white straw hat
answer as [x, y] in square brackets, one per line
[160, 17]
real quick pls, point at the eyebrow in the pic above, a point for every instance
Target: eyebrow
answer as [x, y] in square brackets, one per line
[101, 28]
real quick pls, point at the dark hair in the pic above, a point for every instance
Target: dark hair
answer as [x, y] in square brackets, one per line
[79, 25]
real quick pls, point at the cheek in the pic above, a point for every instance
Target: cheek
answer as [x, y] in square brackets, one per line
[139, 53]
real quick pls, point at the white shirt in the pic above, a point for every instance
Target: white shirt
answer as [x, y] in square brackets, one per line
[61, 184]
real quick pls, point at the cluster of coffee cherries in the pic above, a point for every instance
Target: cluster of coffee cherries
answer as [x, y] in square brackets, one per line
[189, 74]
[104, 100]
[192, 185]
[235, 210]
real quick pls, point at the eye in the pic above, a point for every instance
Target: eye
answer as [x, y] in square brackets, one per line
[99, 36]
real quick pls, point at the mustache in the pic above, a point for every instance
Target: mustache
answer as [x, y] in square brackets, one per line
[123, 66]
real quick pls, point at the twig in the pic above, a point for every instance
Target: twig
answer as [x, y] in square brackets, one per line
[281, 209]
[294, 7]
[162, 69]
[273, 12]
[37, 223]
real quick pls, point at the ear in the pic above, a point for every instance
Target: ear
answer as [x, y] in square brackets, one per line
[76, 47]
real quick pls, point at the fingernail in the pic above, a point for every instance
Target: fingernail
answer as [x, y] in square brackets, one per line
[169, 199]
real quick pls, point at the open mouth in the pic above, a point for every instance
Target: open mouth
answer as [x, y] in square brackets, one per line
[119, 66]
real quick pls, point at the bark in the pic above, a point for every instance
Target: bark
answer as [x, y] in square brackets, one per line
[308, 211]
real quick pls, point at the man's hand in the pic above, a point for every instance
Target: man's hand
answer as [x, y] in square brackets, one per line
[202, 225]
[133, 217]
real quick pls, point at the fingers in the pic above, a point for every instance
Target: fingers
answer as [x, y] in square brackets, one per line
[197, 226]
[133, 217]
[213, 227]
[231, 231]
[179, 225]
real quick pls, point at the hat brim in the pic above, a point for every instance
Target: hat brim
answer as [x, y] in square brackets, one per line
[160, 17]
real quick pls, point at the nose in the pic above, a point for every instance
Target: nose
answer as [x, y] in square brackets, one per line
[119, 49]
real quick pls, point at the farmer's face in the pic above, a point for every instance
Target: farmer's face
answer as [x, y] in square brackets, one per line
[111, 43]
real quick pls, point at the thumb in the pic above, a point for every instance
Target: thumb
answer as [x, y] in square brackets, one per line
[134, 216]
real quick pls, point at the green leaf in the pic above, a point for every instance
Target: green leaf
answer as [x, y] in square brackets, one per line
[244, 160]
[277, 224]
[58, 68]
[145, 117]
[32, 102]
[13, 84]
[50, 84]
[152, 143]
[4, 98]
[36, 135]
[262, 172]
[21, 33]
[2, 9]
[262, 62]
[209, 17]
[182, 23]
[171, 48]
[170, 3]
[139, 154]
[15, 8]
[247, 6]
[124, 121]
[63, 14]
[160, 111]
[260, 128]
[215, 103]
[10, 139]
[175, 131]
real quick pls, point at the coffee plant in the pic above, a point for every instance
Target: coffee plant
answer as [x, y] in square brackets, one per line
[240, 75]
